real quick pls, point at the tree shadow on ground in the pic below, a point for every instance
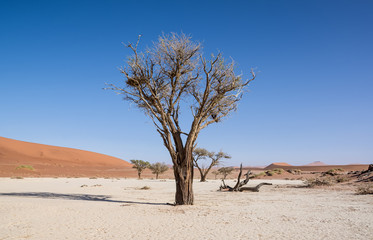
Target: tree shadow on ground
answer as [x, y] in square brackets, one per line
[83, 197]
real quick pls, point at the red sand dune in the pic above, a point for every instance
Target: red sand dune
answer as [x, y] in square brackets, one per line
[56, 161]
[277, 165]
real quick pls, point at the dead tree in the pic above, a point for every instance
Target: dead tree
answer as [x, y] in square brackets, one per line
[239, 185]
[173, 77]
[367, 175]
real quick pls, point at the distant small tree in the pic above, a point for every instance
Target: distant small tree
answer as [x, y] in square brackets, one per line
[225, 171]
[201, 153]
[158, 168]
[140, 165]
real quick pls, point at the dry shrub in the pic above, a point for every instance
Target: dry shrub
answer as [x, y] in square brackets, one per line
[274, 171]
[319, 182]
[269, 173]
[365, 189]
[341, 179]
[17, 177]
[294, 171]
[145, 188]
[334, 172]
[259, 174]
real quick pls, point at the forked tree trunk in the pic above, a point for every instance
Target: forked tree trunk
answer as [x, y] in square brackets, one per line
[203, 176]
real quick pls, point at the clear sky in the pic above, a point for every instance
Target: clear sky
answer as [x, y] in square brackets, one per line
[312, 99]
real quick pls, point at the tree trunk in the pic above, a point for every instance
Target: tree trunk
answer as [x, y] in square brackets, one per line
[184, 183]
[203, 176]
[139, 174]
[156, 176]
[184, 191]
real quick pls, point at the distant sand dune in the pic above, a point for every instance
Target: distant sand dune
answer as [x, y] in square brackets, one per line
[318, 167]
[54, 161]
[277, 165]
[317, 163]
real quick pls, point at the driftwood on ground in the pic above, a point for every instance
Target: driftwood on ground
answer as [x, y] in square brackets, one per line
[239, 185]
[367, 175]
[253, 189]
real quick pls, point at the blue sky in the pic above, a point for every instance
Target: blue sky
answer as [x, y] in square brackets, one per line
[312, 99]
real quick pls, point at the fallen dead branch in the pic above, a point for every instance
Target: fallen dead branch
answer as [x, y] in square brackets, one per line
[239, 185]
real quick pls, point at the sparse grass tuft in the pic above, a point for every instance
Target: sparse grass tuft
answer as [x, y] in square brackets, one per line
[145, 188]
[365, 190]
[29, 167]
[17, 177]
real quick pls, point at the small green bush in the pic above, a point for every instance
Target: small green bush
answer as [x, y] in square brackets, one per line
[278, 170]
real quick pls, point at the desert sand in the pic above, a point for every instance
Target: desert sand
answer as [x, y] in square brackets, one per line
[82, 208]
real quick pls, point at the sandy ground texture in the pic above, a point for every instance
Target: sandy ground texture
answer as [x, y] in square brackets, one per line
[81, 208]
